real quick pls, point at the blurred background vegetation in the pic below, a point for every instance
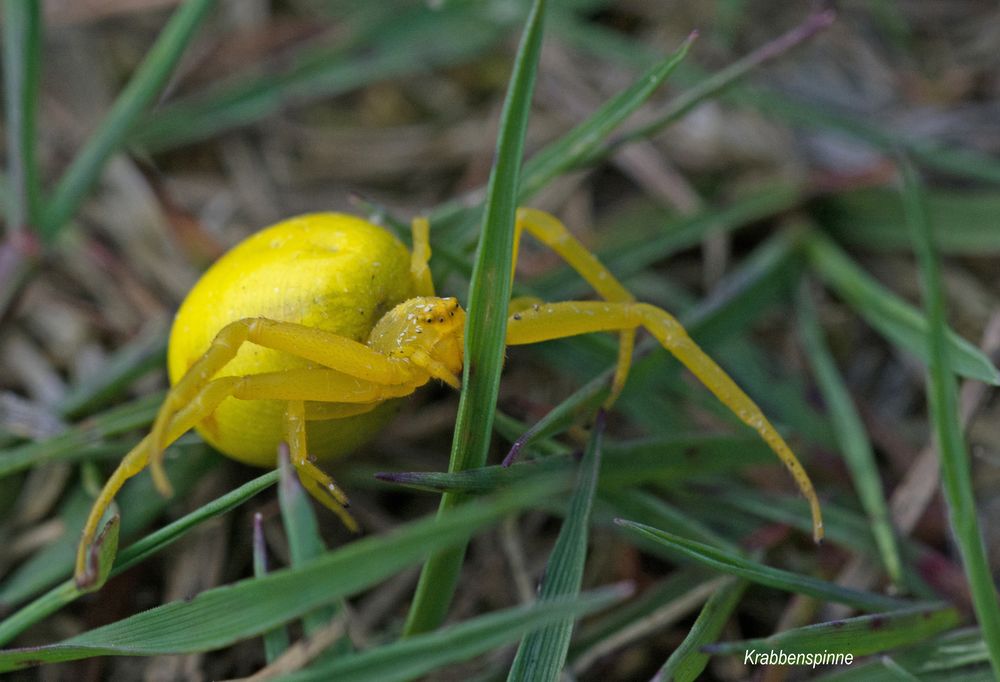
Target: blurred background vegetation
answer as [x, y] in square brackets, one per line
[754, 215]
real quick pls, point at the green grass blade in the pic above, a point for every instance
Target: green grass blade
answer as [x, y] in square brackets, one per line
[667, 461]
[225, 615]
[850, 433]
[652, 510]
[302, 531]
[688, 660]
[164, 537]
[276, 641]
[146, 352]
[931, 153]
[964, 222]
[414, 656]
[142, 504]
[954, 656]
[845, 527]
[609, 45]
[145, 85]
[733, 564]
[956, 475]
[489, 294]
[542, 653]
[22, 47]
[570, 149]
[711, 86]
[861, 636]
[653, 598]
[403, 42]
[899, 671]
[85, 440]
[899, 322]
[677, 235]
[580, 143]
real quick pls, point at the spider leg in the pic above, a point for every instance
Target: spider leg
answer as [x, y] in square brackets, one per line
[321, 411]
[296, 385]
[325, 348]
[559, 320]
[138, 458]
[421, 253]
[315, 480]
[551, 232]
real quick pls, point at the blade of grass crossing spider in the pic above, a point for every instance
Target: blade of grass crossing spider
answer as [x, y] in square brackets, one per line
[542, 653]
[850, 433]
[733, 564]
[956, 476]
[898, 321]
[489, 294]
[302, 531]
[688, 661]
[66, 592]
[860, 636]
[415, 656]
[222, 616]
[22, 38]
[147, 82]
[275, 641]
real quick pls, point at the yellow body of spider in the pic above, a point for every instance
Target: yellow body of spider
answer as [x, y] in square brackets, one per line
[306, 331]
[331, 272]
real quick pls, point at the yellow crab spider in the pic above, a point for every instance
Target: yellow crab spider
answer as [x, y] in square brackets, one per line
[306, 331]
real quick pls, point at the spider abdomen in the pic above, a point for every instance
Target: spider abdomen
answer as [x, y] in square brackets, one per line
[329, 271]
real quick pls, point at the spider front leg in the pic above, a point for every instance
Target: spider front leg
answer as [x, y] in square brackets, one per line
[559, 320]
[319, 385]
[324, 348]
[551, 232]
[138, 459]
